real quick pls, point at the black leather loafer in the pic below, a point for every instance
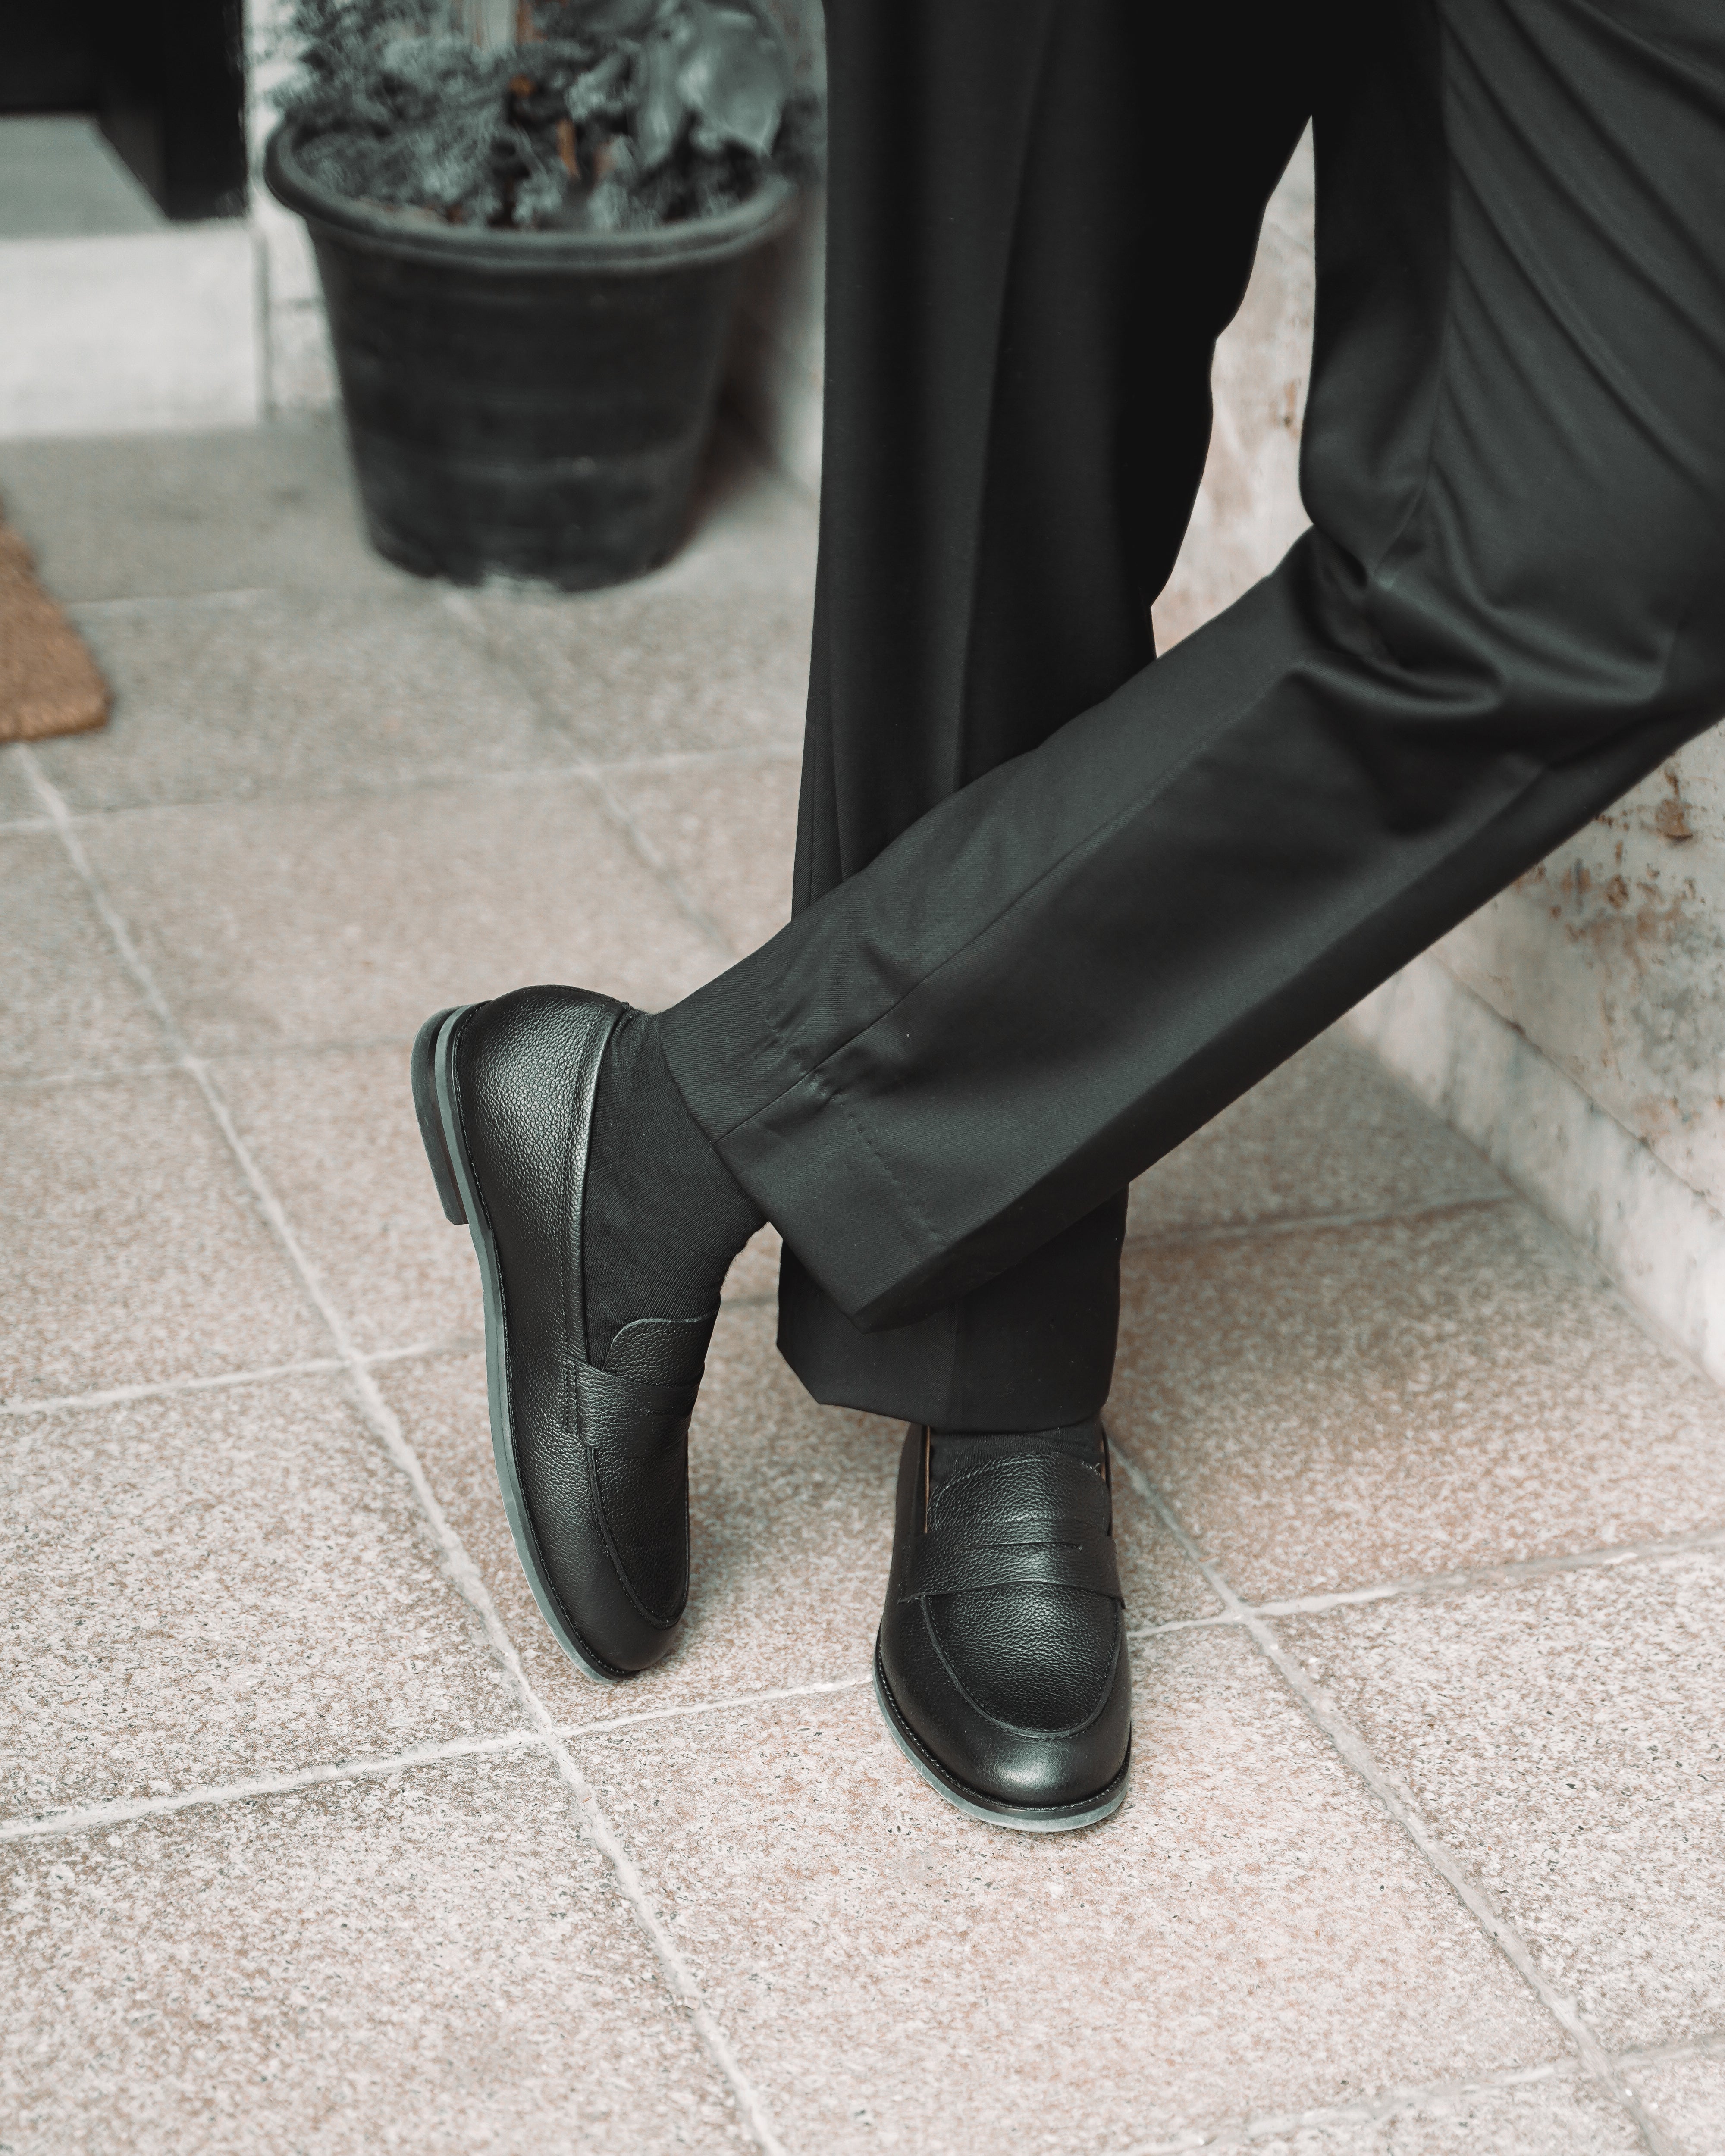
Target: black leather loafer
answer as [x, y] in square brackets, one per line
[1001, 1666]
[594, 1461]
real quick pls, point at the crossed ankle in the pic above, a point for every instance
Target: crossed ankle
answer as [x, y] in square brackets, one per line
[662, 1216]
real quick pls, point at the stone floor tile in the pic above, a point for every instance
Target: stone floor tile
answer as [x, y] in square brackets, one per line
[1330, 1131]
[162, 515]
[1550, 2113]
[334, 1135]
[218, 1584]
[1688, 2098]
[291, 695]
[791, 1506]
[66, 1001]
[729, 832]
[1333, 1409]
[1249, 1933]
[1567, 1737]
[130, 1251]
[437, 1962]
[648, 671]
[711, 652]
[749, 524]
[19, 799]
[269, 924]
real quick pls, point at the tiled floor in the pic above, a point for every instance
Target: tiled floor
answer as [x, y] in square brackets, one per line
[314, 1842]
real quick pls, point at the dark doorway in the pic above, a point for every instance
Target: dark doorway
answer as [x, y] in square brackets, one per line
[166, 78]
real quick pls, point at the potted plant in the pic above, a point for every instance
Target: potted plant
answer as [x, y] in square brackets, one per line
[529, 249]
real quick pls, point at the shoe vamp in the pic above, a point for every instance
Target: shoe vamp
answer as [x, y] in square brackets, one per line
[1032, 1658]
[646, 1512]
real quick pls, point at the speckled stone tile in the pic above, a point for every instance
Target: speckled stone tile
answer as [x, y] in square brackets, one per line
[335, 1134]
[749, 524]
[710, 652]
[690, 659]
[1248, 1934]
[1686, 2097]
[791, 1508]
[18, 800]
[130, 1251]
[218, 1584]
[729, 832]
[1567, 1737]
[1329, 1133]
[154, 515]
[1333, 1409]
[437, 1962]
[1548, 2113]
[66, 1001]
[351, 920]
[297, 696]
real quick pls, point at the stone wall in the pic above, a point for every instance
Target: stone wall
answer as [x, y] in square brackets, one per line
[1574, 1028]
[1248, 512]
[300, 372]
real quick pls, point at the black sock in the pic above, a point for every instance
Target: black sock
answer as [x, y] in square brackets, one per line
[662, 1217]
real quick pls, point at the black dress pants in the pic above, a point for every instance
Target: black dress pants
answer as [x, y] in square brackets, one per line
[1059, 902]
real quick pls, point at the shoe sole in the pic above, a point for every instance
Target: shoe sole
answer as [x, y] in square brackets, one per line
[1023, 1819]
[440, 1127]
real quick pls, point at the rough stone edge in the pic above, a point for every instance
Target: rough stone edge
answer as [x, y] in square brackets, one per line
[1661, 1244]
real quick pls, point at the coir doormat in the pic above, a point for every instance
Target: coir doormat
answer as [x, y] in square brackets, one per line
[49, 682]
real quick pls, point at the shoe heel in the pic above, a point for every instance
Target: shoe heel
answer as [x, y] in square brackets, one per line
[431, 1122]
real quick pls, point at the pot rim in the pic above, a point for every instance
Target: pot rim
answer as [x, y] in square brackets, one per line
[704, 239]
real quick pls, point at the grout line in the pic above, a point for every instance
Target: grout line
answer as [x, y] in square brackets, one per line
[1223, 1617]
[425, 1351]
[1361, 2111]
[88, 1819]
[160, 602]
[20, 827]
[1671, 2054]
[1384, 2103]
[1415, 1585]
[1496, 1925]
[110, 1075]
[596, 776]
[1494, 1575]
[463, 1574]
[120, 1395]
[659, 866]
[1297, 1223]
[232, 1380]
[428, 779]
[574, 1732]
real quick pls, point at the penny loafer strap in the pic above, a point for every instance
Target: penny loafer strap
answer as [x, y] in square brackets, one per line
[1026, 1521]
[626, 1419]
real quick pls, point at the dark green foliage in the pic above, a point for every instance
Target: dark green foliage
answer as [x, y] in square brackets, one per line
[665, 109]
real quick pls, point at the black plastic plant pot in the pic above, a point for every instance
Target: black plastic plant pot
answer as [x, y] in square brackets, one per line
[524, 404]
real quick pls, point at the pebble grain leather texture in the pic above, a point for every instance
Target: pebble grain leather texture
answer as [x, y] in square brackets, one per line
[592, 1462]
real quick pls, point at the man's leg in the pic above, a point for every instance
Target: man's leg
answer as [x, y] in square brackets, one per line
[1041, 213]
[1508, 610]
